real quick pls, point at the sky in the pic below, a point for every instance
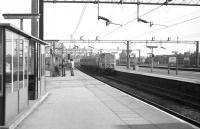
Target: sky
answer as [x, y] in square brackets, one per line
[61, 22]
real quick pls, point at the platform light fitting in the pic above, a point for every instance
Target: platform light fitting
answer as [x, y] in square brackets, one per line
[81, 37]
[105, 19]
[108, 22]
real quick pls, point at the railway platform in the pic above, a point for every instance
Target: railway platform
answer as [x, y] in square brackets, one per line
[82, 102]
[187, 76]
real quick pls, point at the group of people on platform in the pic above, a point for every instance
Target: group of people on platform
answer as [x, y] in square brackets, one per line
[60, 70]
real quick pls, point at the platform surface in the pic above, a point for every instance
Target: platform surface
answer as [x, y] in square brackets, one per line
[82, 102]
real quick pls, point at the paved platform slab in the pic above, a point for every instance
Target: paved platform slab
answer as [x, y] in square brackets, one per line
[81, 102]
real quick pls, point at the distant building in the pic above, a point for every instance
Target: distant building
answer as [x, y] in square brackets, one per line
[184, 60]
[123, 58]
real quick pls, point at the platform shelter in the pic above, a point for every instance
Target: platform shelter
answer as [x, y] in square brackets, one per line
[22, 71]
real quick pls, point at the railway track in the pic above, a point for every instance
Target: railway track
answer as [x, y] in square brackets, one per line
[166, 102]
[162, 91]
[171, 111]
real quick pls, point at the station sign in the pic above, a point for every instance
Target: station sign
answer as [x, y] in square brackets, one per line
[172, 59]
[21, 16]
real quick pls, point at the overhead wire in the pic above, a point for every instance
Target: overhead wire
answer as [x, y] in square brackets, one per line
[95, 30]
[191, 35]
[112, 31]
[92, 31]
[80, 19]
[183, 16]
[193, 12]
[175, 24]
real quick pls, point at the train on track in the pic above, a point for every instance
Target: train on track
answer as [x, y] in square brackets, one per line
[102, 63]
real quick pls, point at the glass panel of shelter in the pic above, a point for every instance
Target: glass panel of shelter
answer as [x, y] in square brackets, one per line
[25, 61]
[10, 46]
[20, 62]
[42, 68]
[16, 62]
[1, 62]
[32, 67]
[35, 66]
[31, 59]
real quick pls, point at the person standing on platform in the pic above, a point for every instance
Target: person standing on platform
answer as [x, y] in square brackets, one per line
[72, 67]
[63, 67]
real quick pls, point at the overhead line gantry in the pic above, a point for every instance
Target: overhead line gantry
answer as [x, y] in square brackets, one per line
[142, 2]
[136, 2]
[128, 42]
[124, 41]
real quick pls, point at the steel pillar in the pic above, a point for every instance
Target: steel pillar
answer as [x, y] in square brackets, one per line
[197, 53]
[41, 20]
[21, 24]
[34, 22]
[139, 57]
[128, 55]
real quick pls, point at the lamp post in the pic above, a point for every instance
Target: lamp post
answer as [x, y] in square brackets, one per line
[101, 50]
[176, 54]
[75, 48]
[52, 58]
[128, 55]
[197, 54]
[152, 55]
[62, 61]
[91, 49]
[139, 52]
